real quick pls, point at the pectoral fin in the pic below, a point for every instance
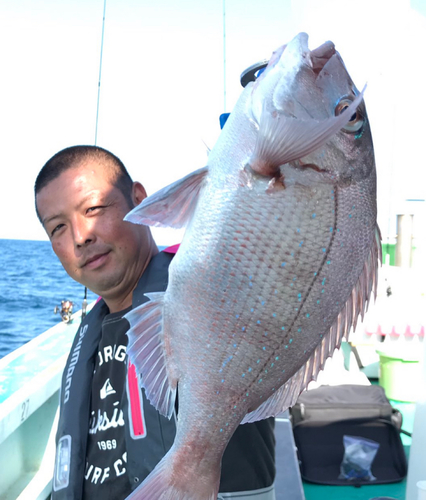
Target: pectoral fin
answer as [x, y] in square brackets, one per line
[282, 139]
[173, 205]
[147, 352]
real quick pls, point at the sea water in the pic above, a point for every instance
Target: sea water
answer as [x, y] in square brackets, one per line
[32, 283]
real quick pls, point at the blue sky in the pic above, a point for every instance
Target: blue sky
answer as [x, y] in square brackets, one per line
[162, 87]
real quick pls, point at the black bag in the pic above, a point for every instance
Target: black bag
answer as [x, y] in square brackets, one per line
[321, 417]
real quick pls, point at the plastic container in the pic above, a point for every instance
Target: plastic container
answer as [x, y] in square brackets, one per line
[416, 464]
[400, 372]
[421, 490]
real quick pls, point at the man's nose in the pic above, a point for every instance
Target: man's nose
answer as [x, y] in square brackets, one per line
[82, 232]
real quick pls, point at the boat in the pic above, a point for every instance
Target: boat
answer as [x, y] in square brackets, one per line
[29, 395]
[30, 380]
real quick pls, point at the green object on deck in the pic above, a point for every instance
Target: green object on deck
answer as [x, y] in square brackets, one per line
[400, 372]
[366, 492]
[389, 249]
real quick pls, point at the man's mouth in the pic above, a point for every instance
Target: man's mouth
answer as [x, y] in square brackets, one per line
[95, 260]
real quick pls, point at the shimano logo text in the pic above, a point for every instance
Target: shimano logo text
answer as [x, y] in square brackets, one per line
[73, 361]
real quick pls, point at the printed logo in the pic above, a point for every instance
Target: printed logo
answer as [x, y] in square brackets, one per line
[102, 421]
[97, 475]
[112, 353]
[107, 389]
[72, 362]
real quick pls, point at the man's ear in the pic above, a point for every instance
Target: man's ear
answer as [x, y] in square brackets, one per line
[138, 193]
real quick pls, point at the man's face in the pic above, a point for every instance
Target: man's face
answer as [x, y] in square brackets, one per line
[82, 212]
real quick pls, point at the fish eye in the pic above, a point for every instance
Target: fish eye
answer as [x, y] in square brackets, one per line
[357, 119]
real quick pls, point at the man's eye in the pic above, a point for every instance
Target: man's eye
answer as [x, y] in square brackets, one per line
[56, 229]
[94, 209]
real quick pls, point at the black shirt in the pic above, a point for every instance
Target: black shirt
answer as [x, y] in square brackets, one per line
[105, 475]
[248, 462]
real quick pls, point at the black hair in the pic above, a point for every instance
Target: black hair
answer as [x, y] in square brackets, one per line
[73, 156]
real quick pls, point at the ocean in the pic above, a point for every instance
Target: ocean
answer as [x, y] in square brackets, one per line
[32, 283]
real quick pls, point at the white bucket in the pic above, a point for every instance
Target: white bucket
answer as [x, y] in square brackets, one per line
[421, 490]
[416, 464]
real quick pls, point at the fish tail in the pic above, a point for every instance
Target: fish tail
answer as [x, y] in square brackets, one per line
[173, 481]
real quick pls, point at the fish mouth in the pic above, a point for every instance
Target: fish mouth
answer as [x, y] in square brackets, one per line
[316, 58]
[321, 55]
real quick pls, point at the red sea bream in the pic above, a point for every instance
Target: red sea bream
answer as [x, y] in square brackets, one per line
[279, 258]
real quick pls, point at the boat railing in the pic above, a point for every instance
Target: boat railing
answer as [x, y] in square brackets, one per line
[30, 379]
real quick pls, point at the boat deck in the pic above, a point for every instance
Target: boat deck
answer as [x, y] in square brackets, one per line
[395, 491]
[369, 492]
[32, 397]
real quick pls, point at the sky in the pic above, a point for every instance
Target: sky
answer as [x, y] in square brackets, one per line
[170, 68]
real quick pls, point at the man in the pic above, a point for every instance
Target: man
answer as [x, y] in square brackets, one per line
[109, 436]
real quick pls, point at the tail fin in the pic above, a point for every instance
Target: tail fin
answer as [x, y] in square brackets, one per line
[173, 481]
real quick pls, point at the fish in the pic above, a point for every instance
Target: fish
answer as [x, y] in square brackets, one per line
[279, 258]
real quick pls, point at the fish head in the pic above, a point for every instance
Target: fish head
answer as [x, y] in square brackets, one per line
[307, 85]
[348, 156]
[288, 81]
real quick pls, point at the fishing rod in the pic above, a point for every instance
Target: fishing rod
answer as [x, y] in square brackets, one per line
[224, 53]
[100, 74]
[84, 304]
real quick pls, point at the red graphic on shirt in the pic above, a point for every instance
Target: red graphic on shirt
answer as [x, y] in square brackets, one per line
[137, 418]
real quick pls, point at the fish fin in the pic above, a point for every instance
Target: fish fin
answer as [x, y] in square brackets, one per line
[167, 483]
[269, 408]
[171, 206]
[355, 306]
[146, 351]
[283, 139]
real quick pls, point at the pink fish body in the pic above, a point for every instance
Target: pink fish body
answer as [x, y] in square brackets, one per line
[279, 258]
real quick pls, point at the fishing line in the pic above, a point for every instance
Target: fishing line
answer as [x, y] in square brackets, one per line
[100, 74]
[84, 305]
[224, 57]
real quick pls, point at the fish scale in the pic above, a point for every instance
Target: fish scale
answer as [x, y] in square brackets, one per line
[275, 345]
[279, 257]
